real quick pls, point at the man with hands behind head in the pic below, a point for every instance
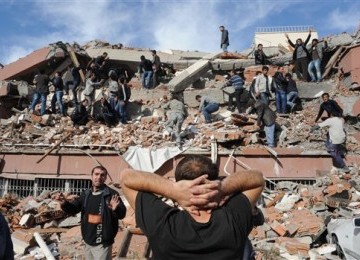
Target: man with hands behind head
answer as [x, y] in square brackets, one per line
[101, 208]
[209, 226]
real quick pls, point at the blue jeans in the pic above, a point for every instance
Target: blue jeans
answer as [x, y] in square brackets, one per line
[224, 47]
[36, 97]
[120, 109]
[315, 64]
[208, 109]
[146, 79]
[58, 95]
[270, 132]
[335, 152]
[291, 97]
[280, 98]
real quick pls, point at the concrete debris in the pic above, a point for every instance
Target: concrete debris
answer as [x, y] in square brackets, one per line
[295, 214]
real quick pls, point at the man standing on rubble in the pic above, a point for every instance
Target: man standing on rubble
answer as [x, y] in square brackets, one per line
[328, 105]
[146, 72]
[176, 114]
[300, 56]
[89, 91]
[262, 85]
[156, 68]
[75, 72]
[207, 226]
[266, 118]
[224, 43]
[335, 139]
[101, 208]
[237, 83]
[41, 80]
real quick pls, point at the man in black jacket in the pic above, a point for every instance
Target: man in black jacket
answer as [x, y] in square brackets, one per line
[101, 208]
[330, 106]
[224, 43]
[266, 118]
[41, 80]
[300, 56]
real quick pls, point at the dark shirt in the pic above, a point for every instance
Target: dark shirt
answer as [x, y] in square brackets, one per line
[260, 57]
[6, 245]
[279, 82]
[174, 234]
[265, 114]
[109, 218]
[75, 73]
[330, 107]
[42, 83]
[291, 86]
[93, 234]
[145, 65]
[58, 84]
[224, 38]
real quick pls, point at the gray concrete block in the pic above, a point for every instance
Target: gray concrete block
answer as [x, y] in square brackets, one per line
[189, 96]
[308, 90]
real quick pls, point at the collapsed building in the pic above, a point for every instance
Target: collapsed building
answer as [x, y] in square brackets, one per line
[57, 156]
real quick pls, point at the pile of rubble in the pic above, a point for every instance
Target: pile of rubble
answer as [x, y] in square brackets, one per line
[296, 218]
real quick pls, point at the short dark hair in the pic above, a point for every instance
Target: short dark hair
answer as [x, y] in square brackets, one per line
[122, 80]
[195, 165]
[265, 68]
[153, 51]
[197, 96]
[142, 57]
[100, 167]
[325, 94]
[260, 44]
[105, 53]
[222, 26]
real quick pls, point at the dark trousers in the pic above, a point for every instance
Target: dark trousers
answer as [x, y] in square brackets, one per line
[302, 68]
[237, 95]
[336, 153]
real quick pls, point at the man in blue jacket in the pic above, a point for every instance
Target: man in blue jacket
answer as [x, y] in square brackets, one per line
[101, 208]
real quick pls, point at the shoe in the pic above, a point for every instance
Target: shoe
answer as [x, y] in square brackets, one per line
[344, 169]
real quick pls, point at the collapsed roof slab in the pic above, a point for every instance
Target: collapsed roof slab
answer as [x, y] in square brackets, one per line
[131, 57]
[188, 76]
[25, 65]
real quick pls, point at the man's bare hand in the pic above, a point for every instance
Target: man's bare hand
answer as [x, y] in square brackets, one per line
[208, 195]
[114, 202]
[287, 36]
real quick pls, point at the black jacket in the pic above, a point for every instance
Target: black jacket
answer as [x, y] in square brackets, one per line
[330, 106]
[127, 93]
[58, 84]
[42, 83]
[265, 114]
[6, 245]
[303, 45]
[110, 219]
[279, 82]
[260, 57]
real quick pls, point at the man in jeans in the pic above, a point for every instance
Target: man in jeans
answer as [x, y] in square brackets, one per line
[41, 91]
[58, 95]
[75, 83]
[146, 71]
[262, 85]
[279, 85]
[316, 54]
[266, 118]
[335, 138]
[224, 43]
[238, 84]
[207, 106]
[292, 92]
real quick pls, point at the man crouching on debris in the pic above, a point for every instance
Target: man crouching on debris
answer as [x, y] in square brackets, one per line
[101, 208]
[209, 226]
[335, 138]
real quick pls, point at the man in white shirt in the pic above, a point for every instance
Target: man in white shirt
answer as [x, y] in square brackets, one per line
[335, 138]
